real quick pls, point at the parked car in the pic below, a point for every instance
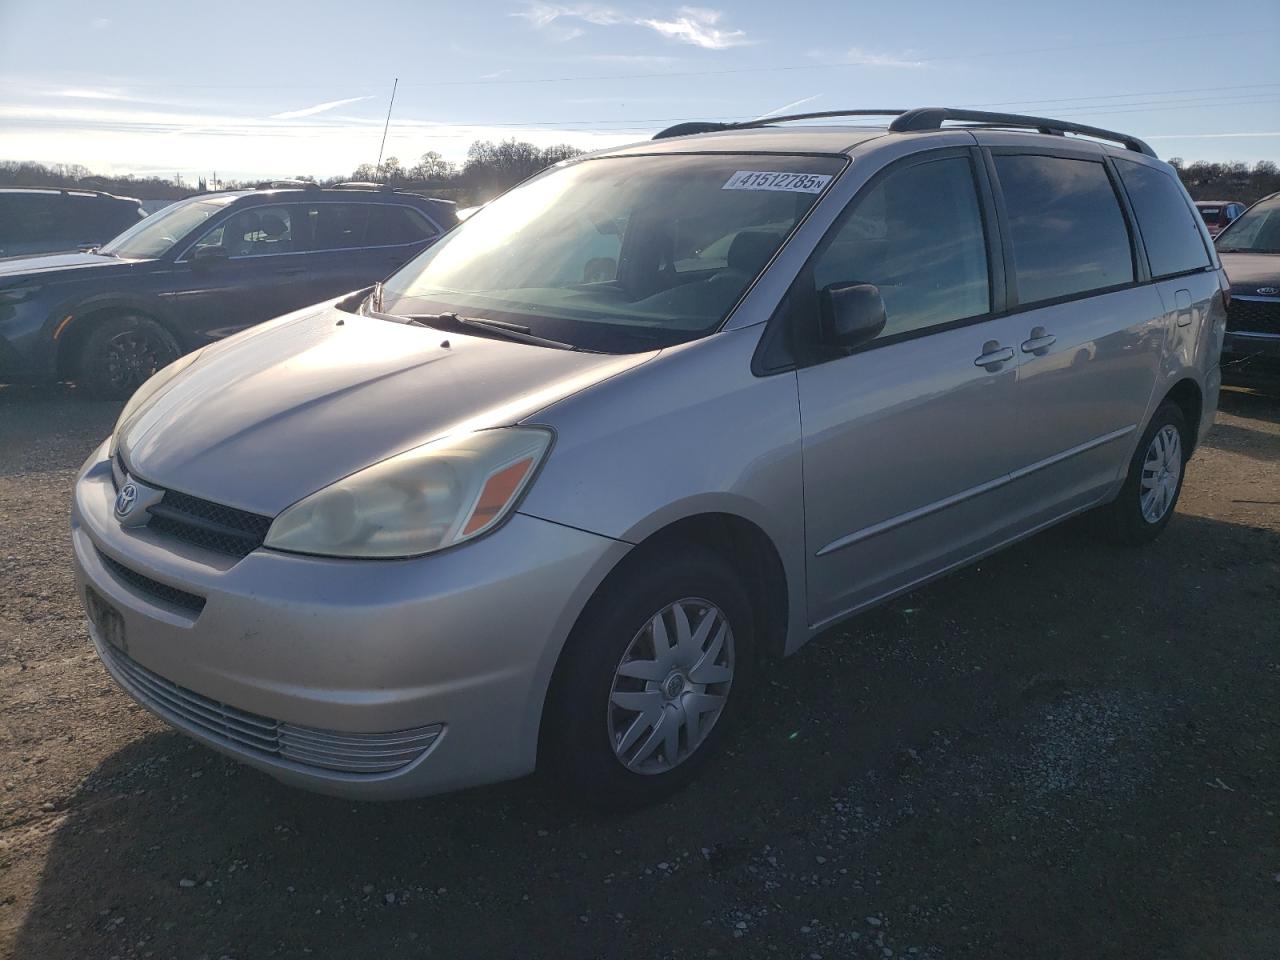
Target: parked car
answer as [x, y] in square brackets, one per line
[44, 219]
[198, 270]
[479, 521]
[1218, 213]
[1250, 252]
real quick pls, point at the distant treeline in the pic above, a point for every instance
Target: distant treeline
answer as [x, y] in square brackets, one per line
[491, 168]
[1229, 181]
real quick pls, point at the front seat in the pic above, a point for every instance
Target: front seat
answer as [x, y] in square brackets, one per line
[275, 229]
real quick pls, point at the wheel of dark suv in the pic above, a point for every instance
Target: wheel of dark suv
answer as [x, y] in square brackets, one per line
[121, 353]
[1151, 488]
[649, 680]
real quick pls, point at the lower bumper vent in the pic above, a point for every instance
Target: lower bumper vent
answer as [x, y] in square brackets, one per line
[354, 753]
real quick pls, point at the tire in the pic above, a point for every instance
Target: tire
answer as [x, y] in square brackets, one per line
[120, 353]
[1130, 519]
[589, 744]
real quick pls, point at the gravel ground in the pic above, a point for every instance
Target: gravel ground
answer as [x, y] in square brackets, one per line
[1067, 750]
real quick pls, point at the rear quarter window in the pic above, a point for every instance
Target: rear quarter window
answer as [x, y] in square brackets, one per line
[1068, 232]
[1168, 226]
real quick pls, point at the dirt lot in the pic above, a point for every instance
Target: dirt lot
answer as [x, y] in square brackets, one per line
[1066, 751]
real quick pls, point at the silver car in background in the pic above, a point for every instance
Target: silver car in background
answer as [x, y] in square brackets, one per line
[553, 493]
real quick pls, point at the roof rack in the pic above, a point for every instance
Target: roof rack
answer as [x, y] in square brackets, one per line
[287, 185]
[931, 118]
[926, 118]
[362, 185]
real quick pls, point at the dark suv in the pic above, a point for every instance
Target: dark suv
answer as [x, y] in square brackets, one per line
[199, 270]
[44, 219]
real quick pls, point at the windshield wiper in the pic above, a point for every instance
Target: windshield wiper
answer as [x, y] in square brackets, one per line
[511, 331]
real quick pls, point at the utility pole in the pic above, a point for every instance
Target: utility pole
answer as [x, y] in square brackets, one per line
[385, 127]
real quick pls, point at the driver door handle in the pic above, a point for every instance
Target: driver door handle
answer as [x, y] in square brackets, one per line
[993, 355]
[1040, 342]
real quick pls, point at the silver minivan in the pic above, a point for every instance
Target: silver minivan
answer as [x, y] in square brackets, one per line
[554, 493]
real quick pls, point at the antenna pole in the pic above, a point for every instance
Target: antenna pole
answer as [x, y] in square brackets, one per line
[385, 127]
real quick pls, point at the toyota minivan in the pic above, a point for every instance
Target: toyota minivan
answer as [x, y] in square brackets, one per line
[557, 491]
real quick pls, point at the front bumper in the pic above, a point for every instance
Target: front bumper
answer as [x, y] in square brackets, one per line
[456, 649]
[1247, 355]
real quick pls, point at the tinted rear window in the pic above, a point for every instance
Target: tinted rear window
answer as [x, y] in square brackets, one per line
[1069, 236]
[1169, 230]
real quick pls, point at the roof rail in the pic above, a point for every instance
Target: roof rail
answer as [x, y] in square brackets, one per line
[706, 126]
[362, 185]
[287, 185]
[931, 118]
[925, 118]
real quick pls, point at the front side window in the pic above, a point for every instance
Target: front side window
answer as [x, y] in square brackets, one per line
[619, 253]
[1168, 227]
[157, 234]
[918, 236]
[255, 232]
[1068, 232]
[1257, 230]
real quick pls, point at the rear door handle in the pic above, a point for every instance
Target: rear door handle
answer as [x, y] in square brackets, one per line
[1040, 342]
[993, 355]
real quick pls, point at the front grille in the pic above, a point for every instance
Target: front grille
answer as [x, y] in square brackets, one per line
[207, 524]
[355, 753]
[1253, 316]
[153, 588]
[213, 526]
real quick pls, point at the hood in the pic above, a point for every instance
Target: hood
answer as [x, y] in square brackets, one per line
[1249, 271]
[15, 268]
[263, 420]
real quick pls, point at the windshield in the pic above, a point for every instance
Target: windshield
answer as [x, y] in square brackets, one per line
[619, 254]
[1257, 230]
[154, 236]
[1210, 213]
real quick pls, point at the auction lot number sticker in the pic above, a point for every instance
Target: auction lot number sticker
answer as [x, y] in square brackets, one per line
[777, 180]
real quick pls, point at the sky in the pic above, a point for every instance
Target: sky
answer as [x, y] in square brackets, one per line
[238, 88]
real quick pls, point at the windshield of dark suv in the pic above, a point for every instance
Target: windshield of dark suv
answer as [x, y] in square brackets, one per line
[1257, 230]
[156, 235]
[617, 254]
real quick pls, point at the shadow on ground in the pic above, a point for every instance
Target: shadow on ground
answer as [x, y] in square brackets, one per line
[1064, 751]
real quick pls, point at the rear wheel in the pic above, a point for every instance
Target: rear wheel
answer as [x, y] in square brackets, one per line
[647, 684]
[1151, 489]
[121, 353]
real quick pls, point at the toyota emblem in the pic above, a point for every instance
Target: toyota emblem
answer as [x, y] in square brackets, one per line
[125, 499]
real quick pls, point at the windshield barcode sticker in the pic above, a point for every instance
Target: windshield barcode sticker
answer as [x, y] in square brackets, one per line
[776, 180]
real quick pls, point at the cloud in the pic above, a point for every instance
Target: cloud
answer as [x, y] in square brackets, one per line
[318, 108]
[873, 58]
[495, 75]
[85, 93]
[545, 14]
[693, 25]
[697, 25]
[99, 23]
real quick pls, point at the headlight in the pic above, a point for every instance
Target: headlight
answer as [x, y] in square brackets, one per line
[422, 500]
[146, 392]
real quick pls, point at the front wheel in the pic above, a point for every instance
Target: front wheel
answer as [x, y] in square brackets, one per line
[1154, 481]
[647, 684]
[121, 353]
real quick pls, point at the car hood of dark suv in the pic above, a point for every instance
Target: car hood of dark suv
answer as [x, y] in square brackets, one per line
[265, 418]
[1249, 271]
[13, 269]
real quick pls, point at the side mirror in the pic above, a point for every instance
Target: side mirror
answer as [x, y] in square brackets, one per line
[852, 314]
[208, 256]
